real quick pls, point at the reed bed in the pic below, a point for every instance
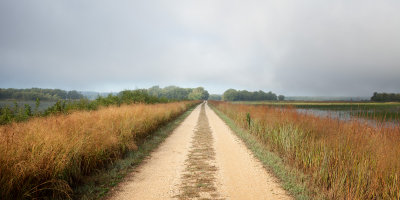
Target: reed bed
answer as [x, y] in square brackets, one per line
[44, 157]
[344, 159]
[388, 111]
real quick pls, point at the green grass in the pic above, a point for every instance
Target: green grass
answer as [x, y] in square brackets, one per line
[293, 180]
[97, 186]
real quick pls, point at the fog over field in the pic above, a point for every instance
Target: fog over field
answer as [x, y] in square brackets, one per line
[290, 47]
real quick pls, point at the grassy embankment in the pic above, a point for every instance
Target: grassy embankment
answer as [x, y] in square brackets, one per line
[45, 157]
[371, 110]
[343, 160]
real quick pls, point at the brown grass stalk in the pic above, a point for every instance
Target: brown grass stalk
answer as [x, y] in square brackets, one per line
[44, 156]
[344, 159]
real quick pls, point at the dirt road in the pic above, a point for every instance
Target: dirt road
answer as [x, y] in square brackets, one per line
[202, 159]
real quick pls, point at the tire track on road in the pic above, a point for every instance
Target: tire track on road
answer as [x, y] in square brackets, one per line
[199, 178]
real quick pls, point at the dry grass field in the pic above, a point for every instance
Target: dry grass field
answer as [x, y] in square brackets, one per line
[46, 155]
[344, 159]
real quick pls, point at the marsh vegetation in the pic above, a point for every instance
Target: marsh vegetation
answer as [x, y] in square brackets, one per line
[380, 111]
[342, 159]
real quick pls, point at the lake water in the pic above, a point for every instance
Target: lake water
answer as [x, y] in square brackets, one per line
[43, 104]
[345, 116]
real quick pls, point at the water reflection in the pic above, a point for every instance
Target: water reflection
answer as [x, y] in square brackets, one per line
[346, 116]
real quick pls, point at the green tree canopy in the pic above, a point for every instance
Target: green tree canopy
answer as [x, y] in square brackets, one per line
[39, 93]
[385, 97]
[198, 94]
[216, 97]
[244, 95]
[178, 93]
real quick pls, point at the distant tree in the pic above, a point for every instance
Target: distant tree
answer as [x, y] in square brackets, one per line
[177, 93]
[281, 97]
[132, 96]
[230, 95]
[198, 94]
[244, 95]
[35, 93]
[74, 95]
[216, 97]
[155, 91]
[59, 93]
[271, 96]
[385, 97]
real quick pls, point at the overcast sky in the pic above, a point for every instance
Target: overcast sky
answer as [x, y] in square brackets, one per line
[308, 47]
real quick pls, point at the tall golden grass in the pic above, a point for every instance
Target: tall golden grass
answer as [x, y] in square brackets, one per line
[344, 160]
[44, 156]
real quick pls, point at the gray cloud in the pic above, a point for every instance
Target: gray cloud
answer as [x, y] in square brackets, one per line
[291, 47]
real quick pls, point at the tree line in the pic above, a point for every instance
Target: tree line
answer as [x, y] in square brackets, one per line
[216, 97]
[19, 113]
[244, 95]
[38, 93]
[385, 97]
[177, 93]
[170, 92]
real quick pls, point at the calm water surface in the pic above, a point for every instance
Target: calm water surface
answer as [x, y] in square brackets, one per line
[345, 116]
